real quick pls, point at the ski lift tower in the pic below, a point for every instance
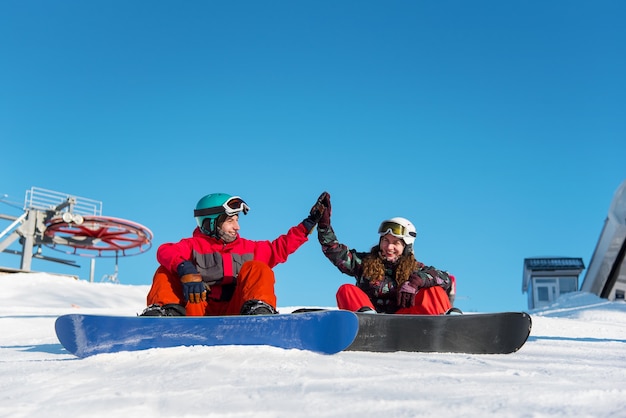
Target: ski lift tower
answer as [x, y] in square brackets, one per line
[73, 225]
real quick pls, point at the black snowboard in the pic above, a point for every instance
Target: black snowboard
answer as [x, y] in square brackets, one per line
[484, 333]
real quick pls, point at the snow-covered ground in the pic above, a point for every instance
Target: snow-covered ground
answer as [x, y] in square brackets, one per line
[573, 365]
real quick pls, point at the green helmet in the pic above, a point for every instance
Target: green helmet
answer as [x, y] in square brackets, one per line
[211, 206]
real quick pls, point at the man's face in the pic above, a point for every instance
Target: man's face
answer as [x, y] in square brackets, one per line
[229, 229]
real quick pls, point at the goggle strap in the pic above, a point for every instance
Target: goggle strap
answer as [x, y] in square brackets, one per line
[208, 211]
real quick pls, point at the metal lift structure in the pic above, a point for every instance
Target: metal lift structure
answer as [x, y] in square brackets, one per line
[72, 225]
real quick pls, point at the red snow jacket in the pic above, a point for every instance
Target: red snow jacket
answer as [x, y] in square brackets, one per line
[219, 263]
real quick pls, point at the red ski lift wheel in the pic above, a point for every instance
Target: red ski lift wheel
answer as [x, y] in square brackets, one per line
[97, 236]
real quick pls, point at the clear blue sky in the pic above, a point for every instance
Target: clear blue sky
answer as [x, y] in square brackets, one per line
[498, 128]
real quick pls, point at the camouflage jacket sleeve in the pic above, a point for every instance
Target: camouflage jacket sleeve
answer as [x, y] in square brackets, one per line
[428, 276]
[348, 261]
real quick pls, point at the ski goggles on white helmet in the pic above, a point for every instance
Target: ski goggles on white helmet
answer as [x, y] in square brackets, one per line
[231, 207]
[395, 229]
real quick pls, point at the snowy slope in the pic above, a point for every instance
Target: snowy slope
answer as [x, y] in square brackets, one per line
[573, 365]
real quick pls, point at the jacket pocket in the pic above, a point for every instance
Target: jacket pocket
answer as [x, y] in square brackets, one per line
[211, 267]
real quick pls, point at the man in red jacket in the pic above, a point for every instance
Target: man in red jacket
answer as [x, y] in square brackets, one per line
[217, 272]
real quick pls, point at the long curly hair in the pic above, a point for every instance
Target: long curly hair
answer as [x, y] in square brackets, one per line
[374, 267]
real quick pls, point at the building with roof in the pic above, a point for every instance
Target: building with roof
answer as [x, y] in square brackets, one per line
[606, 275]
[547, 278]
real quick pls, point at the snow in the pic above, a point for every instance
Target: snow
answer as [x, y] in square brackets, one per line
[573, 365]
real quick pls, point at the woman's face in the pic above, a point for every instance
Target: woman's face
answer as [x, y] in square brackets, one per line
[391, 247]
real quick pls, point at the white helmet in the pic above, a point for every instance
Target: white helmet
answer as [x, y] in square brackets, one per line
[399, 227]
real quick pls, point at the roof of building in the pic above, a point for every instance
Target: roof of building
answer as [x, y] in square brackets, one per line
[606, 274]
[554, 263]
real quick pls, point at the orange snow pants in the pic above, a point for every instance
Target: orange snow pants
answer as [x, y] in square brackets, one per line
[428, 301]
[255, 281]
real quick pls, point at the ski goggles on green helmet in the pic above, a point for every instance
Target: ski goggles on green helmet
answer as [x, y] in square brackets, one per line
[395, 229]
[231, 207]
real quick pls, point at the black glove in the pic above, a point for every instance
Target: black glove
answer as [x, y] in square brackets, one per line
[316, 213]
[408, 290]
[194, 289]
[324, 221]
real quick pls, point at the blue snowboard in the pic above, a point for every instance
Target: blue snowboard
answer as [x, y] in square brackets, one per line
[325, 332]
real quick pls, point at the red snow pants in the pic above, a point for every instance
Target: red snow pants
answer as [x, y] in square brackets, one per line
[255, 281]
[428, 301]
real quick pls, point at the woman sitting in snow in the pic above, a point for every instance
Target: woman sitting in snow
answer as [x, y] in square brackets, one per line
[388, 278]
